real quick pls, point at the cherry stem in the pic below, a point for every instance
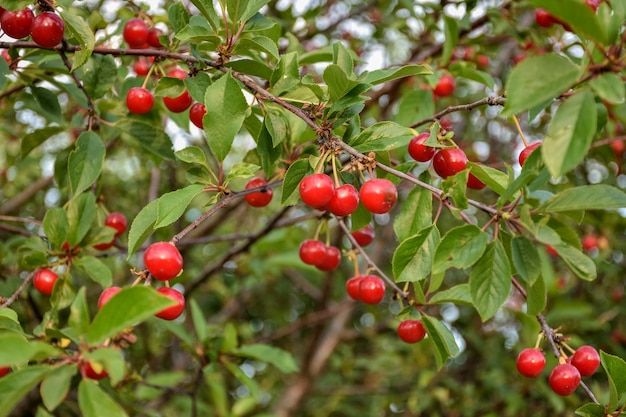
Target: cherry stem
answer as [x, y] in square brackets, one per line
[519, 130]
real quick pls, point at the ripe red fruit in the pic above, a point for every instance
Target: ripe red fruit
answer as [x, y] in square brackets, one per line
[17, 24]
[47, 29]
[44, 281]
[530, 362]
[587, 360]
[544, 18]
[551, 251]
[445, 123]
[141, 66]
[171, 313]
[378, 195]
[418, 150]
[139, 100]
[136, 33]
[260, 198]
[474, 183]
[4, 370]
[178, 104]
[345, 200]
[482, 61]
[196, 113]
[449, 161]
[6, 56]
[316, 190]
[617, 145]
[163, 261]
[116, 221]
[411, 331]
[364, 236]
[445, 86]
[523, 156]
[312, 251]
[88, 371]
[330, 260]
[564, 379]
[594, 4]
[589, 242]
[371, 289]
[153, 38]
[106, 295]
[353, 287]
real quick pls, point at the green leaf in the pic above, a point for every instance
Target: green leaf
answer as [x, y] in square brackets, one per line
[81, 214]
[226, 110]
[570, 133]
[242, 170]
[615, 368]
[127, 308]
[207, 10]
[48, 103]
[171, 206]
[169, 87]
[276, 125]
[250, 383]
[56, 385]
[342, 57]
[142, 226]
[178, 16]
[383, 136]
[338, 82]
[14, 349]
[81, 32]
[98, 75]
[148, 134]
[536, 296]
[258, 43]
[63, 293]
[94, 402]
[459, 294]
[95, 269]
[382, 76]
[580, 264]
[451, 28]
[460, 248]
[111, 359]
[525, 258]
[416, 213]
[79, 313]
[55, 226]
[442, 340]
[490, 281]
[412, 260]
[455, 187]
[578, 16]
[279, 358]
[591, 410]
[413, 106]
[199, 321]
[217, 391]
[85, 162]
[192, 155]
[14, 386]
[495, 179]
[537, 80]
[37, 137]
[610, 87]
[585, 197]
[295, 173]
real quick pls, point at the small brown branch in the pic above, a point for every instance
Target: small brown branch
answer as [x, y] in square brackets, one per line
[19, 220]
[90, 108]
[21, 288]
[17, 201]
[487, 101]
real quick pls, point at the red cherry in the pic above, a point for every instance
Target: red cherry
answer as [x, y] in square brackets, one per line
[116, 221]
[44, 281]
[104, 245]
[175, 311]
[378, 195]
[551, 251]
[260, 198]
[564, 379]
[530, 362]
[136, 33]
[4, 370]
[139, 100]
[345, 200]
[87, 370]
[526, 152]
[47, 29]
[106, 295]
[482, 61]
[371, 289]
[364, 236]
[449, 161]
[544, 18]
[474, 183]
[617, 145]
[196, 113]
[330, 260]
[587, 360]
[594, 4]
[445, 123]
[317, 190]
[445, 86]
[6, 56]
[178, 104]
[163, 261]
[17, 24]
[153, 37]
[312, 251]
[589, 242]
[141, 66]
[411, 331]
[353, 286]
[418, 150]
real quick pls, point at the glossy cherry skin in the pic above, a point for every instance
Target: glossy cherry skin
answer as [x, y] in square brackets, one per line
[378, 195]
[544, 18]
[587, 360]
[44, 281]
[418, 150]
[141, 66]
[260, 198]
[449, 161]
[196, 113]
[4, 370]
[316, 190]
[171, 313]
[87, 370]
[116, 221]
[523, 156]
[589, 242]
[312, 251]
[163, 261]
[136, 33]
[182, 102]
[411, 331]
[17, 24]
[371, 289]
[47, 29]
[153, 38]
[445, 86]
[345, 200]
[530, 362]
[106, 295]
[353, 287]
[139, 100]
[331, 259]
[474, 183]
[364, 236]
[564, 379]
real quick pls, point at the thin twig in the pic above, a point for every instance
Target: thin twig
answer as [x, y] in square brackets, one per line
[487, 101]
[21, 288]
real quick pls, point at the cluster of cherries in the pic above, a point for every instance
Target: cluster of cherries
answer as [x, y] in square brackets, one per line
[546, 19]
[565, 377]
[46, 29]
